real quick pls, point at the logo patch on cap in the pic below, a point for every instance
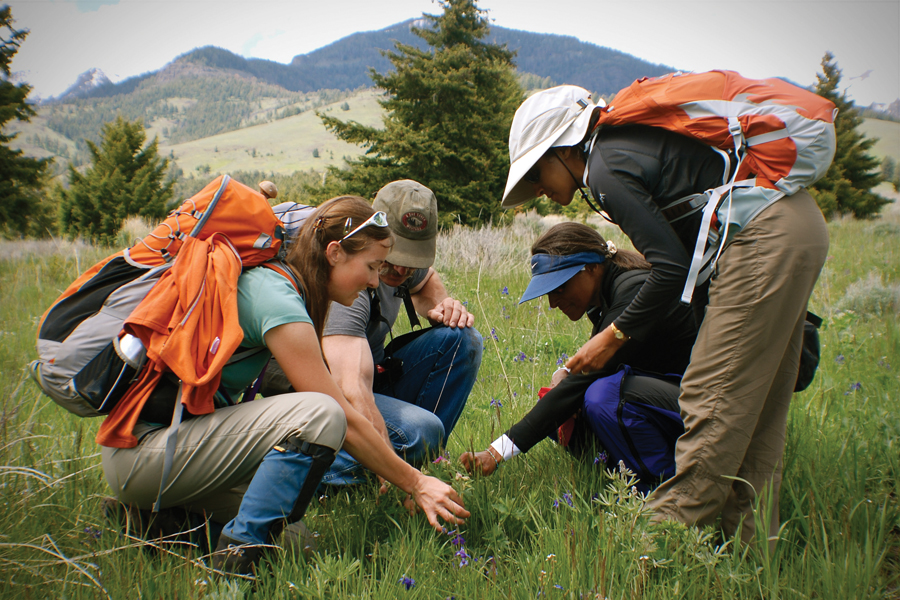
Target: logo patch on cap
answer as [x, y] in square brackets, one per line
[414, 221]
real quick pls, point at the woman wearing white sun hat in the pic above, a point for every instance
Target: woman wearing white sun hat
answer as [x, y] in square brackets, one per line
[736, 391]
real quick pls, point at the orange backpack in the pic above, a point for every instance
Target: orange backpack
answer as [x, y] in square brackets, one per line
[167, 304]
[781, 136]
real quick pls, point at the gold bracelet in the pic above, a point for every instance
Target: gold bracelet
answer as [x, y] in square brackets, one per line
[618, 333]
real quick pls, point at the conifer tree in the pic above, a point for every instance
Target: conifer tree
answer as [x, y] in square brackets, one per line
[21, 177]
[126, 179]
[846, 187]
[448, 111]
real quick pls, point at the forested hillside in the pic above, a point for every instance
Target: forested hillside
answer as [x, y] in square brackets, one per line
[193, 101]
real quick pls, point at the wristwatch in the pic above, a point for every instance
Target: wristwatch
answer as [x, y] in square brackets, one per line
[618, 332]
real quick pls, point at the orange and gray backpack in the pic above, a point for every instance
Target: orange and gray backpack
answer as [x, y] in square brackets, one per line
[775, 137]
[167, 304]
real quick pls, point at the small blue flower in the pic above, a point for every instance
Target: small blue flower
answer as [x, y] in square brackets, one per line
[94, 533]
[563, 359]
[494, 334]
[556, 503]
[496, 403]
[601, 458]
[559, 587]
[855, 387]
[458, 540]
[839, 359]
[568, 498]
[505, 291]
[408, 582]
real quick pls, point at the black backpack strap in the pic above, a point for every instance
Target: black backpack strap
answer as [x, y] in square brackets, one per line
[403, 292]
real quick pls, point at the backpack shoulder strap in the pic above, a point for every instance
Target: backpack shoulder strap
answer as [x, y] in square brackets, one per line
[280, 267]
[403, 292]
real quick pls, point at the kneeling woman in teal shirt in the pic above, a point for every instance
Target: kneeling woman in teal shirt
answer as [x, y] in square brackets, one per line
[255, 466]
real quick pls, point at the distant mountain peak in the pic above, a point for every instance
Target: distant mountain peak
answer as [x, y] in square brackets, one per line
[85, 83]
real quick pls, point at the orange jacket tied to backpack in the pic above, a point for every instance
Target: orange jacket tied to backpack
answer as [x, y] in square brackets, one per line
[175, 291]
[194, 302]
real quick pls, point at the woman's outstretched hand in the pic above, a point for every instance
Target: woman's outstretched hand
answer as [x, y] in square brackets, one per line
[479, 462]
[438, 501]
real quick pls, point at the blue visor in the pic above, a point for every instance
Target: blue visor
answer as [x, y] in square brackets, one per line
[549, 271]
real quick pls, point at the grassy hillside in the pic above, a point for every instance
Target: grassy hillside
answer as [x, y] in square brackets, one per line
[888, 134]
[281, 146]
[545, 525]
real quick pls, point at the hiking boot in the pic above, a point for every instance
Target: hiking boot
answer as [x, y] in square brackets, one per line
[298, 539]
[170, 525]
[234, 556]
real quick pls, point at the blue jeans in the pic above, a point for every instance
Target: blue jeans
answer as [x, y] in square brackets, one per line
[421, 407]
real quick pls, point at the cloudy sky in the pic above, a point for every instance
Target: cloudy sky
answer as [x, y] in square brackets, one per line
[758, 38]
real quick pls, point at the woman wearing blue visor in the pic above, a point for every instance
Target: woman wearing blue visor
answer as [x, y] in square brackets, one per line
[627, 406]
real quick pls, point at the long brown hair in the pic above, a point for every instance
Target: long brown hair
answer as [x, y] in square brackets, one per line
[571, 238]
[307, 256]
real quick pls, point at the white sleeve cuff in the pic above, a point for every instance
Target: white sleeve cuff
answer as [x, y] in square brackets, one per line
[505, 447]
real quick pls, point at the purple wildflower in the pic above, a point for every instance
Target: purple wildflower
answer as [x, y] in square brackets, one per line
[559, 587]
[440, 459]
[556, 503]
[855, 387]
[520, 357]
[563, 359]
[408, 582]
[839, 359]
[568, 498]
[458, 540]
[94, 533]
[505, 291]
[601, 458]
[494, 334]
[496, 403]
[463, 557]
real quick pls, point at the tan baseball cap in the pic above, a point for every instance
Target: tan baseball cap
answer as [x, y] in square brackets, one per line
[412, 213]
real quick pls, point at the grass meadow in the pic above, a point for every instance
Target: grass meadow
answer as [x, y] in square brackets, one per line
[544, 525]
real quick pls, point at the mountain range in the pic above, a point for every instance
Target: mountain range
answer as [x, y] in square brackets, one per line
[214, 111]
[345, 64]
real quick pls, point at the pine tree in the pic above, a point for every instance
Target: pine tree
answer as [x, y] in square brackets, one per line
[846, 187]
[21, 177]
[126, 179]
[448, 111]
[888, 168]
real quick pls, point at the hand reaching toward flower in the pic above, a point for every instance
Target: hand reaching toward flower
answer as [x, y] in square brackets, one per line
[485, 462]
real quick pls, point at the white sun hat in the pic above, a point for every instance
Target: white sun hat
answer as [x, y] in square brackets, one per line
[559, 116]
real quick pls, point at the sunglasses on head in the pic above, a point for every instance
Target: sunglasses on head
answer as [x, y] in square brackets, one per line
[379, 219]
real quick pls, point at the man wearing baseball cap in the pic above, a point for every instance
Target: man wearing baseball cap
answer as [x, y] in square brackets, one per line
[414, 387]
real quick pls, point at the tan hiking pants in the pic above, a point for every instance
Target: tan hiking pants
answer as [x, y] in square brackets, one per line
[218, 454]
[737, 389]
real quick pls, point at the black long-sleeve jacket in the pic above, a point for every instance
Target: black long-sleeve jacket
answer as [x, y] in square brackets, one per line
[666, 349]
[637, 170]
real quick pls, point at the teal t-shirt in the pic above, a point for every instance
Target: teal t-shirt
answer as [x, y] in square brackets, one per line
[266, 299]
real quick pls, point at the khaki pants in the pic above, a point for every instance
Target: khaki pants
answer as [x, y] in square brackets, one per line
[217, 454]
[737, 389]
